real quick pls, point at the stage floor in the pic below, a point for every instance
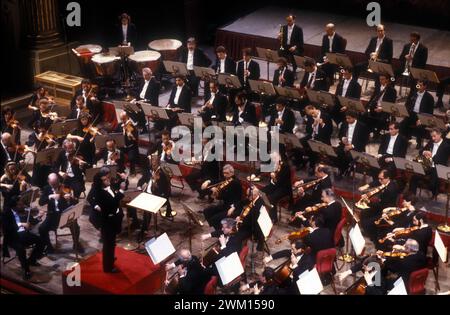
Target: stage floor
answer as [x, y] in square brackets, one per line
[266, 23]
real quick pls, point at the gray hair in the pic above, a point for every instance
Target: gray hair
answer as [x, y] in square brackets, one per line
[147, 71]
[412, 245]
[229, 222]
[229, 168]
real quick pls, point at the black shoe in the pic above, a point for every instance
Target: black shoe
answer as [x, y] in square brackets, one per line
[27, 275]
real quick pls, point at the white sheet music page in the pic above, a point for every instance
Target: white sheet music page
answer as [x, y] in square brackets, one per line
[399, 288]
[309, 282]
[264, 222]
[357, 239]
[440, 247]
[160, 248]
[229, 268]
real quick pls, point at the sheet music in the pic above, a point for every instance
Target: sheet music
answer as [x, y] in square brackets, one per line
[265, 222]
[229, 268]
[70, 214]
[159, 248]
[357, 239]
[309, 282]
[147, 202]
[440, 247]
[399, 288]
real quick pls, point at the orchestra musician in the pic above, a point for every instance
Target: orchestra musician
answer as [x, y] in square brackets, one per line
[80, 107]
[70, 166]
[283, 76]
[106, 200]
[164, 149]
[392, 145]
[291, 39]
[314, 77]
[191, 274]
[39, 93]
[319, 126]
[349, 87]
[437, 151]
[224, 64]
[8, 151]
[57, 198]
[180, 97]
[332, 42]
[245, 111]
[13, 182]
[215, 106]
[394, 217]
[229, 192]
[44, 113]
[266, 284]
[413, 55]
[193, 56]
[83, 136]
[111, 155]
[10, 125]
[283, 118]
[17, 224]
[131, 135]
[247, 69]
[419, 101]
[126, 32]
[280, 185]
[320, 237]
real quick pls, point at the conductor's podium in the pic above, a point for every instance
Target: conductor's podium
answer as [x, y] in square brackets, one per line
[138, 275]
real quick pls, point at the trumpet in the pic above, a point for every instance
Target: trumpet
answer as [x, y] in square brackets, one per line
[427, 163]
[373, 57]
[408, 63]
[281, 37]
[362, 204]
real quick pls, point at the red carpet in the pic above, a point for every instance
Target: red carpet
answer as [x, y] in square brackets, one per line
[138, 275]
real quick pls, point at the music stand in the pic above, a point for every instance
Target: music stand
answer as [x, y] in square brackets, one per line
[188, 119]
[409, 166]
[127, 106]
[324, 150]
[100, 140]
[155, 111]
[321, 98]
[194, 221]
[265, 199]
[48, 155]
[229, 80]
[149, 203]
[290, 140]
[262, 87]
[91, 172]
[62, 128]
[426, 75]
[347, 257]
[204, 73]
[443, 173]
[431, 121]
[342, 60]
[267, 55]
[288, 92]
[367, 160]
[396, 110]
[176, 68]
[352, 104]
[381, 67]
[300, 61]
[70, 217]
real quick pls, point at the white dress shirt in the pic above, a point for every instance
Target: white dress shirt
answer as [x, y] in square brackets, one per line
[390, 148]
[222, 66]
[56, 201]
[345, 87]
[282, 71]
[419, 97]
[177, 94]
[125, 32]
[240, 112]
[350, 132]
[436, 147]
[289, 33]
[109, 190]
[18, 222]
[316, 127]
[144, 89]
[312, 78]
[280, 116]
[190, 60]
[330, 40]
[379, 42]
[69, 170]
[6, 151]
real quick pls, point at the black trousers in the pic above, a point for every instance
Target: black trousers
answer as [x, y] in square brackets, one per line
[51, 223]
[109, 233]
[193, 82]
[133, 156]
[215, 214]
[194, 180]
[26, 239]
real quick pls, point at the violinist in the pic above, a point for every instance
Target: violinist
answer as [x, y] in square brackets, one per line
[266, 284]
[69, 166]
[165, 148]
[111, 155]
[10, 125]
[320, 237]
[16, 224]
[8, 151]
[44, 113]
[131, 135]
[13, 182]
[84, 136]
[229, 192]
[39, 93]
[80, 108]
[88, 93]
[280, 185]
[57, 198]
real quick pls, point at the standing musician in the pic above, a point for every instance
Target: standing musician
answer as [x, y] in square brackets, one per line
[388, 195]
[181, 96]
[111, 155]
[13, 182]
[126, 32]
[353, 135]
[247, 69]
[83, 136]
[413, 55]
[319, 126]
[69, 166]
[291, 40]
[437, 151]
[280, 185]
[392, 145]
[57, 198]
[419, 101]
[16, 224]
[245, 111]
[349, 87]
[332, 42]
[131, 135]
[193, 56]
[215, 106]
[229, 191]
[283, 118]
[106, 200]
[10, 125]
[190, 272]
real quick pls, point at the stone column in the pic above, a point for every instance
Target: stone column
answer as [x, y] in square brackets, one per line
[40, 23]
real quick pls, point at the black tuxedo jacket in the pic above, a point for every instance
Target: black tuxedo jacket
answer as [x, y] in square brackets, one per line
[184, 101]
[296, 39]
[219, 109]
[419, 59]
[131, 35]
[195, 279]
[253, 68]
[443, 153]
[400, 146]
[389, 95]
[288, 119]
[120, 161]
[332, 215]
[388, 196]
[232, 193]
[62, 163]
[336, 47]
[404, 267]
[319, 239]
[110, 218]
[152, 92]
[353, 90]
[324, 133]
[163, 188]
[426, 105]
[200, 58]
[288, 76]
[360, 135]
[249, 115]
[320, 82]
[385, 51]
[230, 66]
[234, 243]
[44, 199]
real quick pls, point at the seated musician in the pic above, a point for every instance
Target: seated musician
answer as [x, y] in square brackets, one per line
[283, 118]
[247, 69]
[330, 209]
[349, 87]
[111, 155]
[131, 135]
[9, 124]
[164, 148]
[320, 237]
[437, 151]
[369, 271]
[191, 274]
[84, 136]
[314, 79]
[39, 93]
[388, 192]
[280, 185]
[393, 217]
[8, 151]
[300, 261]
[70, 168]
[266, 284]
[44, 113]
[228, 192]
[215, 106]
[13, 182]
[385, 92]
[57, 200]
[209, 171]
[154, 181]
[319, 183]
[245, 111]
[283, 76]
[353, 135]
[224, 63]
[16, 224]
[80, 108]
[332, 42]
[419, 101]
[180, 97]
[392, 145]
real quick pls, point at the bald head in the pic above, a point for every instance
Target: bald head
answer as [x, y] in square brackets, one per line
[6, 138]
[147, 73]
[185, 255]
[53, 180]
[329, 29]
[380, 30]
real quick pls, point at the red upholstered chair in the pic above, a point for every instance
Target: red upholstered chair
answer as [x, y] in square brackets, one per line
[243, 255]
[324, 264]
[433, 263]
[210, 288]
[337, 239]
[416, 283]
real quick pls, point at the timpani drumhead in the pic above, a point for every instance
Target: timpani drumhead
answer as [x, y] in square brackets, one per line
[165, 44]
[145, 56]
[92, 48]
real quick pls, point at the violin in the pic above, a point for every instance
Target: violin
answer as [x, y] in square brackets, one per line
[402, 232]
[310, 210]
[294, 236]
[76, 160]
[128, 130]
[395, 254]
[13, 124]
[93, 131]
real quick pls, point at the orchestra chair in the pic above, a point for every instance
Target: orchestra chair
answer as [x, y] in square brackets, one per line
[338, 240]
[324, 264]
[416, 283]
[211, 286]
[243, 257]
